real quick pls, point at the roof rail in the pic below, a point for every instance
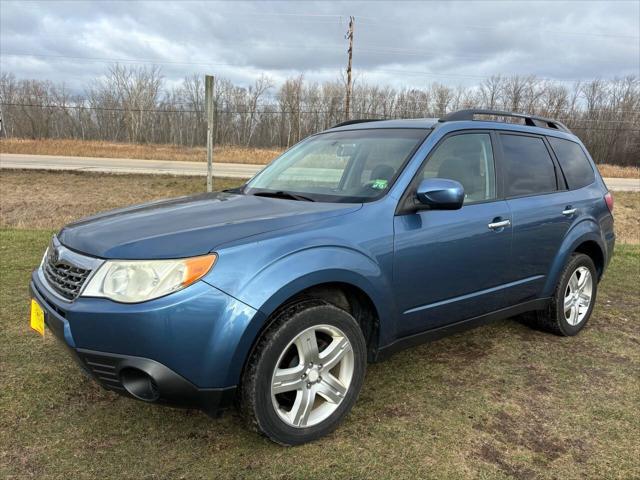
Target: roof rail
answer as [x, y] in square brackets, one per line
[353, 122]
[530, 120]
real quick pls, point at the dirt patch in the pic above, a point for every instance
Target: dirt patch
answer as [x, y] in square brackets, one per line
[509, 430]
[537, 380]
[578, 449]
[492, 455]
[528, 426]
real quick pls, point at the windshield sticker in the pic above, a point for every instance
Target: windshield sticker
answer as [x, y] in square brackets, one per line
[380, 184]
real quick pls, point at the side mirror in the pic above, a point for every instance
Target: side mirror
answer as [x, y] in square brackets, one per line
[440, 194]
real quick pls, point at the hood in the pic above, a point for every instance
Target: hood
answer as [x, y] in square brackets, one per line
[189, 226]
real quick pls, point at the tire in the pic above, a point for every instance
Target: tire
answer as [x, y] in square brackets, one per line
[284, 373]
[554, 319]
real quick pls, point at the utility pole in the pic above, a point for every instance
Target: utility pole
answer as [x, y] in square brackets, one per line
[208, 101]
[349, 36]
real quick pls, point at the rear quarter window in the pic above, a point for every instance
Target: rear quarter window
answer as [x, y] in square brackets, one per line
[574, 163]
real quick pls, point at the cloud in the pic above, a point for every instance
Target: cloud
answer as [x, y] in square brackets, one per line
[399, 43]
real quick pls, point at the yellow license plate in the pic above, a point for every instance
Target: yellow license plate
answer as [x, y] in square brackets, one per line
[37, 317]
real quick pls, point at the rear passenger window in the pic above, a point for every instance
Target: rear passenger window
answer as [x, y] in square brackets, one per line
[528, 166]
[574, 163]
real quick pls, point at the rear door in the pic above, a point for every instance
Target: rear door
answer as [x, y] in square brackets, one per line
[542, 209]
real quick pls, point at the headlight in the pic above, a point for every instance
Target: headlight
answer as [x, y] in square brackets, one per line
[131, 281]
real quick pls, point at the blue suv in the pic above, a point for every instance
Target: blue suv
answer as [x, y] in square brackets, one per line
[357, 242]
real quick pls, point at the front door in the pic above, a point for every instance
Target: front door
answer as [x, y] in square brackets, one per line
[453, 265]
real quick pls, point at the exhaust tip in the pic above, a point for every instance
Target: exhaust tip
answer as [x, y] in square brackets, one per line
[139, 384]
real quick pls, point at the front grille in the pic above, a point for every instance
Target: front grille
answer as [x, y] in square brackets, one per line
[63, 277]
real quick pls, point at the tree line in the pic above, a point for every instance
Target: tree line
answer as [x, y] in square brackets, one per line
[134, 104]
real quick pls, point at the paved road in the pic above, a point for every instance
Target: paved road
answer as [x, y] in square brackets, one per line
[124, 165]
[231, 170]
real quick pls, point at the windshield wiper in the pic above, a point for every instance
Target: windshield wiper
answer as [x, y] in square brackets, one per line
[283, 194]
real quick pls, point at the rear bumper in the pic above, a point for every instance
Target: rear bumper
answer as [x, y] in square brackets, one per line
[174, 351]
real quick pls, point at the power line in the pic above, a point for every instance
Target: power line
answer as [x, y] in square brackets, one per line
[384, 23]
[444, 55]
[204, 64]
[365, 48]
[123, 60]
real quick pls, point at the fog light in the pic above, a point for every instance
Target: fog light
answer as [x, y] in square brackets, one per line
[139, 384]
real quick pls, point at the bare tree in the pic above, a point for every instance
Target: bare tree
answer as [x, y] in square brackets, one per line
[131, 104]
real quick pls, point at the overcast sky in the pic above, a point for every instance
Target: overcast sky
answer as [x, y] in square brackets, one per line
[397, 43]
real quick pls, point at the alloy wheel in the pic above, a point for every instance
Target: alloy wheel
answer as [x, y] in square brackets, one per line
[312, 376]
[577, 296]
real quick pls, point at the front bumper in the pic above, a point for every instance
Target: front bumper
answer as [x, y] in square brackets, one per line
[150, 381]
[180, 350]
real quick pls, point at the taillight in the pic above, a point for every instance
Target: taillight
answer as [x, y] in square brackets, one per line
[608, 198]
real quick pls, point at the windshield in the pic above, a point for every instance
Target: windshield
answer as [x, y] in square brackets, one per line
[348, 166]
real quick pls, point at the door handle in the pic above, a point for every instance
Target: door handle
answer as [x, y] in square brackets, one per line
[500, 224]
[569, 211]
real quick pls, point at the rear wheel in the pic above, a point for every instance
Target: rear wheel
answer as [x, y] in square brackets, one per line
[305, 373]
[573, 301]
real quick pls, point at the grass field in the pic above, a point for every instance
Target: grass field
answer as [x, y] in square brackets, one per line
[41, 199]
[501, 401]
[222, 154]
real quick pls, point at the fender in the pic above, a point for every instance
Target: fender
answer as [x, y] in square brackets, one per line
[583, 231]
[303, 269]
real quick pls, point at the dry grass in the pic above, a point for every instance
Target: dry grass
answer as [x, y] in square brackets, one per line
[41, 199]
[617, 171]
[627, 216]
[81, 148]
[222, 154]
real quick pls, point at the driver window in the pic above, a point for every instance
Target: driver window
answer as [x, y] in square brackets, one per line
[468, 159]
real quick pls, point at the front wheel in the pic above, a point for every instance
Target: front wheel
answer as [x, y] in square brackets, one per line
[305, 373]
